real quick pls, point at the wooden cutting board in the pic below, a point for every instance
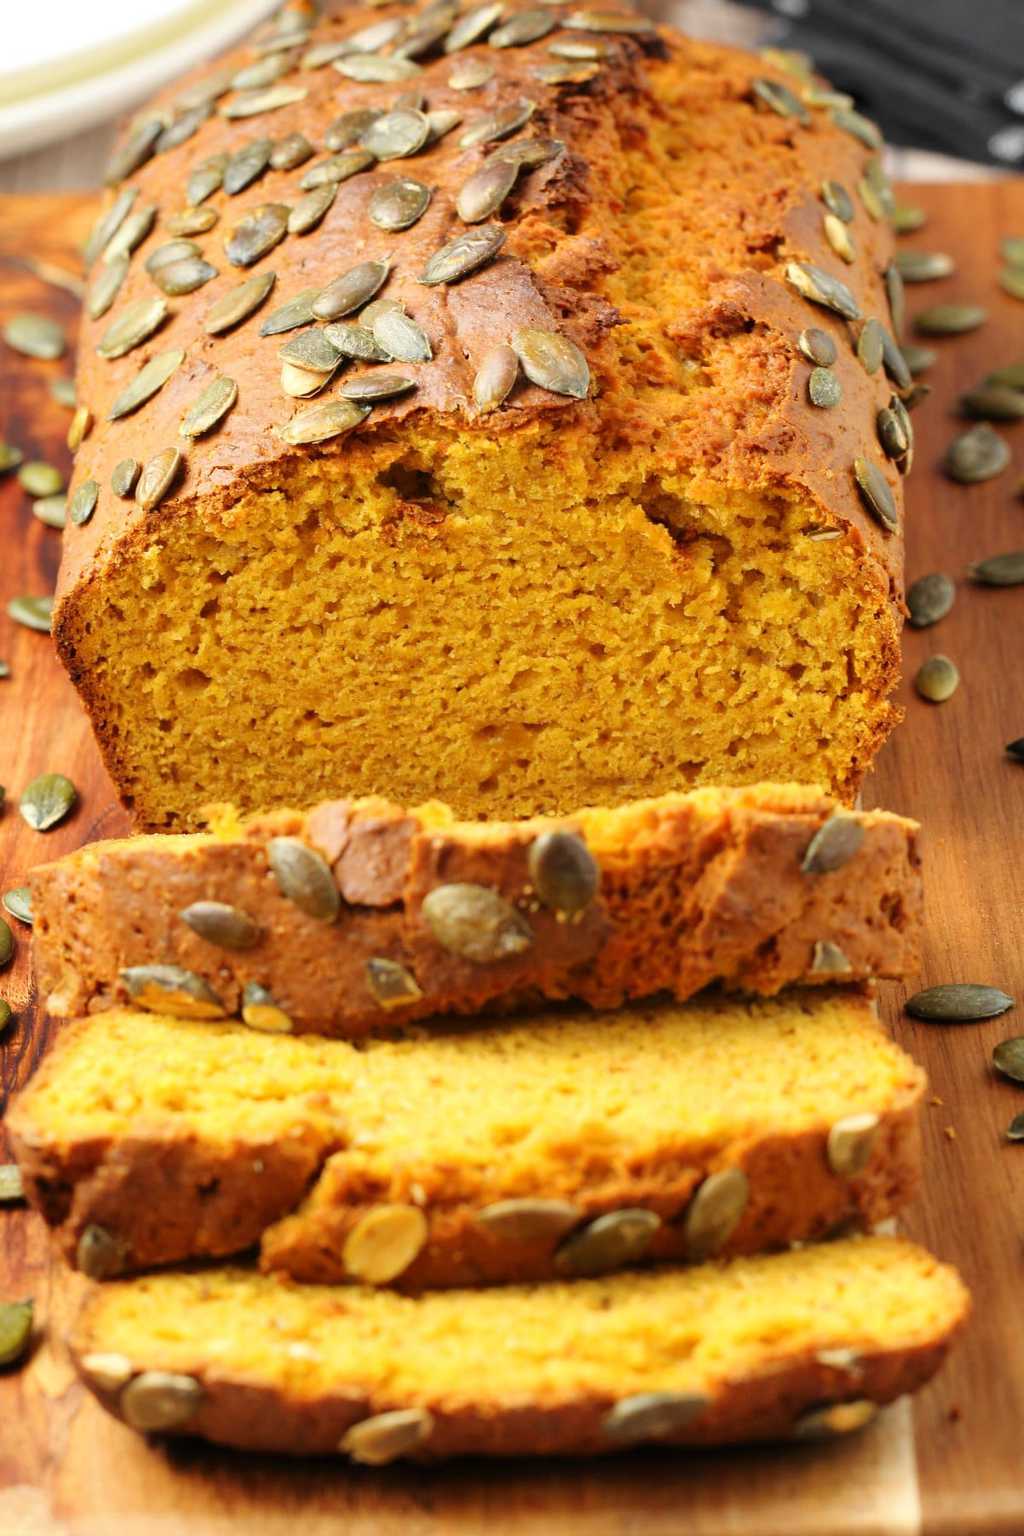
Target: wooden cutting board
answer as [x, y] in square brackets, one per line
[950, 1464]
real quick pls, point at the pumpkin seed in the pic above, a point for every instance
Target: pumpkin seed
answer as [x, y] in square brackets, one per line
[131, 234]
[871, 199]
[836, 842]
[993, 402]
[206, 179]
[610, 1242]
[495, 378]
[892, 433]
[999, 570]
[871, 346]
[629, 24]
[256, 103]
[10, 457]
[1011, 376]
[423, 40]
[896, 295]
[528, 1220]
[349, 128]
[172, 989]
[182, 129]
[337, 169]
[483, 193]
[817, 346]
[150, 378]
[204, 91]
[907, 219]
[1008, 1058]
[836, 1419]
[714, 1213]
[522, 28]
[839, 237]
[290, 152]
[211, 407]
[247, 165]
[858, 127]
[850, 1144]
[949, 319]
[391, 985]
[83, 503]
[355, 341]
[918, 359]
[475, 923]
[876, 494]
[219, 923]
[257, 233]
[81, 426]
[185, 276]
[18, 902]
[311, 350]
[351, 290]
[304, 877]
[498, 125]
[124, 476]
[265, 72]
[64, 392]
[394, 135]
[470, 74]
[384, 1242]
[319, 422]
[132, 327]
[401, 337]
[260, 1011]
[160, 1400]
[652, 1416]
[238, 304]
[563, 871]
[35, 336]
[302, 383]
[40, 479]
[133, 151]
[923, 266]
[15, 1331]
[373, 68]
[528, 153]
[931, 597]
[442, 121]
[12, 1186]
[821, 287]
[828, 960]
[1011, 281]
[6, 944]
[976, 455]
[32, 612]
[311, 208]
[106, 287]
[937, 679]
[368, 388]
[47, 800]
[398, 204]
[387, 1436]
[100, 1254]
[779, 98]
[824, 388]
[580, 48]
[108, 224]
[837, 200]
[378, 35]
[894, 363]
[473, 26]
[552, 362]
[1013, 250]
[1015, 1129]
[157, 478]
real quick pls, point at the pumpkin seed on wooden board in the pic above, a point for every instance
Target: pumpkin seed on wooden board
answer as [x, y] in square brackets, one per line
[10, 457]
[35, 336]
[160, 1400]
[876, 494]
[528, 1219]
[1015, 1129]
[937, 679]
[475, 923]
[976, 455]
[376, 1441]
[210, 408]
[83, 503]
[495, 377]
[1012, 249]
[12, 1186]
[157, 477]
[1012, 376]
[238, 303]
[64, 392]
[384, 1242]
[918, 359]
[999, 570]
[949, 319]
[609, 1242]
[257, 233]
[18, 902]
[993, 402]
[47, 800]
[563, 871]
[924, 266]
[652, 1416]
[823, 388]
[123, 477]
[15, 1331]
[1008, 1058]
[907, 219]
[32, 612]
[1011, 281]
[132, 326]
[714, 1213]
[223, 925]
[814, 283]
[368, 388]
[150, 378]
[398, 204]
[836, 842]
[931, 597]
[6, 944]
[40, 479]
[318, 423]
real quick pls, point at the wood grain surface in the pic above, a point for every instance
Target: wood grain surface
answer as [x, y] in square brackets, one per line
[948, 1465]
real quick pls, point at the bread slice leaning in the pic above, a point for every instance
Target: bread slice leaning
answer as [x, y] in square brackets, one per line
[360, 916]
[541, 1146]
[800, 1344]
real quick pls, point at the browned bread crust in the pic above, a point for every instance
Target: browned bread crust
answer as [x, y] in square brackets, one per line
[695, 889]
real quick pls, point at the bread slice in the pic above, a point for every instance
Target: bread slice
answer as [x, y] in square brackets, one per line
[797, 1344]
[527, 1149]
[660, 895]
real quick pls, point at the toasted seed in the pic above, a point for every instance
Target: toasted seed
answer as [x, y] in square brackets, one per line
[40, 479]
[319, 422]
[469, 74]
[896, 295]
[398, 204]
[204, 91]
[368, 388]
[349, 128]
[931, 597]
[836, 1419]
[839, 237]
[876, 494]
[246, 165]
[471, 27]
[834, 844]
[923, 266]
[821, 287]
[714, 1213]
[10, 457]
[133, 151]
[552, 362]
[918, 359]
[424, 39]
[108, 224]
[894, 363]
[182, 128]
[18, 902]
[185, 276]
[157, 478]
[374, 68]
[64, 392]
[629, 24]
[871, 346]
[172, 989]
[6, 944]
[257, 233]
[337, 169]
[1011, 281]
[463, 255]
[522, 28]
[260, 1011]
[394, 135]
[302, 383]
[238, 304]
[290, 152]
[32, 612]
[837, 200]
[907, 219]
[949, 319]
[475, 923]
[256, 103]
[391, 985]
[51, 510]
[356, 341]
[105, 287]
[132, 327]
[378, 35]
[81, 426]
[563, 871]
[6, 1014]
[35, 336]
[211, 407]
[47, 800]
[311, 350]
[829, 960]
[1012, 249]
[528, 1220]
[83, 503]
[652, 1416]
[150, 378]
[192, 221]
[528, 153]
[993, 402]
[351, 290]
[387, 1436]
[976, 455]
[106, 1370]
[131, 234]
[15, 1331]
[219, 923]
[384, 1242]
[160, 1400]
[311, 208]
[486, 189]
[850, 1144]
[1015, 1129]
[823, 388]
[206, 179]
[779, 98]
[12, 1186]
[610, 1242]
[498, 125]
[937, 679]
[401, 337]
[892, 433]
[1008, 1056]
[871, 199]
[817, 346]
[100, 1254]
[124, 476]
[859, 127]
[495, 377]
[304, 877]
[999, 570]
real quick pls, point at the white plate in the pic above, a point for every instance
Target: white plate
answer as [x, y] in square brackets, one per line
[89, 62]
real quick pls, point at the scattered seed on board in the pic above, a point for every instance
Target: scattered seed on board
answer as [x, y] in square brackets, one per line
[47, 800]
[83, 503]
[1015, 1129]
[124, 476]
[10, 457]
[35, 336]
[15, 1331]
[949, 319]
[18, 902]
[907, 219]
[924, 266]
[1015, 749]
[993, 402]
[6, 944]
[1008, 1058]
[1011, 281]
[157, 478]
[51, 510]
[976, 455]
[835, 843]
[823, 388]
[876, 494]
[937, 679]
[211, 407]
[999, 570]
[238, 304]
[150, 378]
[39, 479]
[1012, 376]
[931, 597]
[32, 612]
[918, 359]
[495, 378]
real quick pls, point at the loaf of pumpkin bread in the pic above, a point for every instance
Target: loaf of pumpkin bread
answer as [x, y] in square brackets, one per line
[359, 915]
[499, 406]
[528, 1149]
[794, 1345]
